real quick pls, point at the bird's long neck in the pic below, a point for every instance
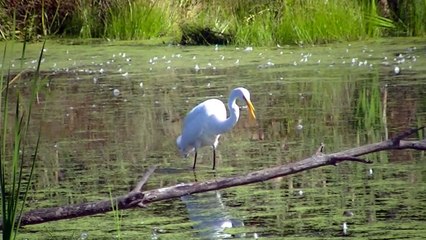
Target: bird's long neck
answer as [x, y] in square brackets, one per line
[234, 114]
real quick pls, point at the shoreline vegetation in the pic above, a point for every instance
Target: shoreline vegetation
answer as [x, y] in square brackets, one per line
[205, 22]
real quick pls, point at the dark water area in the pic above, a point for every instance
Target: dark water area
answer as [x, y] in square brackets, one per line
[109, 111]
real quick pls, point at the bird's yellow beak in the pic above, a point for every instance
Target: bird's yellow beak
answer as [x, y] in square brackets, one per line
[250, 106]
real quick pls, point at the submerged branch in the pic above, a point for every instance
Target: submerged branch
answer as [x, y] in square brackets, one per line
[138, 197]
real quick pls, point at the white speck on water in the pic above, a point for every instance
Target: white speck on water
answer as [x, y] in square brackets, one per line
[295, 63]
[237, 61]
[208, 85]
[84, 236]
[299, 126]
[123, 55]
[397, 70]
[248, 49]
[345, 228]
[370, 172]
[269, 63]
[101, 70]
[128, 59]
[95, 80]
[197, 68]
[141, 84]
[125, 74]
[116, 92]
[194, 57]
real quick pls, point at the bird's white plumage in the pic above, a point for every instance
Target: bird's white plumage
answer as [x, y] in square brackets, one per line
[205, 122]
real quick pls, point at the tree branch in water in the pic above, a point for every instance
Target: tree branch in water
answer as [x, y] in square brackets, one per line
[138, 197]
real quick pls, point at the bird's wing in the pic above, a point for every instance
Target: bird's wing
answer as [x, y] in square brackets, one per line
[197, 121]
[193, 124]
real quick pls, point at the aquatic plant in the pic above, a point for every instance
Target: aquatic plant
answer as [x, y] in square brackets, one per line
[16, 168]
[368, 109]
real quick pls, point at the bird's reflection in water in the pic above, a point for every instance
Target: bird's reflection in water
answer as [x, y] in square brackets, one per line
[210, 215]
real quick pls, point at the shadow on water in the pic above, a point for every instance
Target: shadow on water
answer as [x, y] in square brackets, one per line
[107, 112]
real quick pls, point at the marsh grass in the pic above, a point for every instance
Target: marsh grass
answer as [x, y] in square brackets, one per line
[16, 167]
[136, 20]
[412, 18]
[322, 21]
[117, 214]
[289, 22]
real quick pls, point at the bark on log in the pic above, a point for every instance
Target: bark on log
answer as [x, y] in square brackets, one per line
[138, 197]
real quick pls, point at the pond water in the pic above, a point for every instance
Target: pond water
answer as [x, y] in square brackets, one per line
[110, 110]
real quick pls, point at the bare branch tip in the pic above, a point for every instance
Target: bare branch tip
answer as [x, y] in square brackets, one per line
[396, 140]
[336, 160]
[320, 149]
[144, 179]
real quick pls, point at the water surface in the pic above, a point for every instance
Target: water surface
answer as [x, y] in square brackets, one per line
[108, 111]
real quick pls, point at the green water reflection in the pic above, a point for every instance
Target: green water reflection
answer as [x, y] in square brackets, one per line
[109, 111]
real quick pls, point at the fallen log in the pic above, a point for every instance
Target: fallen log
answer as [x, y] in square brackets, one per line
[140, 198]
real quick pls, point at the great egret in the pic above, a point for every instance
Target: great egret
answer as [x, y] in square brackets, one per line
[206, 121]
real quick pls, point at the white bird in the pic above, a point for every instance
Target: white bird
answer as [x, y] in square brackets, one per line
[204, 124]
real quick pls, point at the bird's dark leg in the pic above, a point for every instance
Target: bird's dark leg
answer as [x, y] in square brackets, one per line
[214, 158]
[195, 160]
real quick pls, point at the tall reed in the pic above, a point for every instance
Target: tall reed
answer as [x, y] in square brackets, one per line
[16, 167]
